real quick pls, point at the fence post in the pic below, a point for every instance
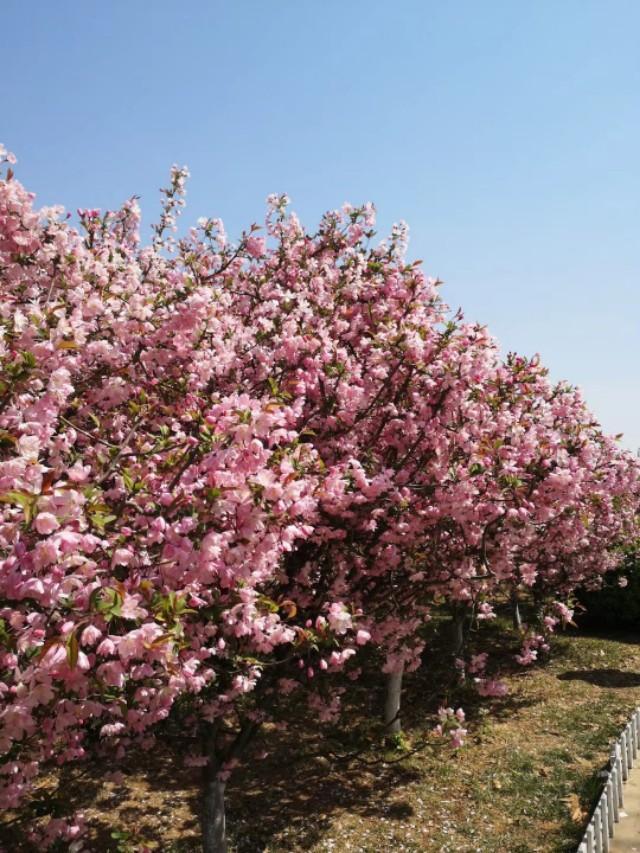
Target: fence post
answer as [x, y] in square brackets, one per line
[619, 775]
[604, 829]
[612, 805]
[624, 752]
[624, 756]
[597, 829]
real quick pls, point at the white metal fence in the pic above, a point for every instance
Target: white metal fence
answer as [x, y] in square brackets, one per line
[607, 811]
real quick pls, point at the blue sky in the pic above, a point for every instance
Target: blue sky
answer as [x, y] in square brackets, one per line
[507, 134]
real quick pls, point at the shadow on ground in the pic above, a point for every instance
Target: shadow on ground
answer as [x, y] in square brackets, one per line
[293, 798]
[603, 677]
[300, 805]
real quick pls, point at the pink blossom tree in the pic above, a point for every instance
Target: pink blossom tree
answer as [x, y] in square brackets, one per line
[227, 468]
[147, 509]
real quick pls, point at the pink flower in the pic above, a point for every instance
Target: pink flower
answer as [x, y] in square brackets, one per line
[122, 557]
[90, 635]
[478, 662]
[136, 643]
[196, 760]
[79, 473]
[29, 446]
[130, 609]
[46, 523]
[116, 777]
[492, 688]
[457, 737]
[339, 618]
[112, 673]
[485, 611]
[565, 613]
[256, 246]
[107, 647]
[112, 729]
[60, 385]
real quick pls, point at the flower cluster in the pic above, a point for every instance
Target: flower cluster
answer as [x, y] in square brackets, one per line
[225, 470]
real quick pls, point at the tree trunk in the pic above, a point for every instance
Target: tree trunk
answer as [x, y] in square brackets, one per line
[214, 831]
[214, 835]
[515, 610]
[459, 619]
[392, 702]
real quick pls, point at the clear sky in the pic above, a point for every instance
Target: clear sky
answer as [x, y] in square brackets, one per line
[507, 134]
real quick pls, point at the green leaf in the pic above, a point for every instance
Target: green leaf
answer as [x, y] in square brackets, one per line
[101, 520]
[72, 649]
[127, 479]
[6, 639]
[6, 438]
[268, 604]
[25, 500]
[107, 601]
[337, 368]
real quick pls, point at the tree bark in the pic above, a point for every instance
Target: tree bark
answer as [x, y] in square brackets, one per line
[214, 834]
[459, 619]
[213, 819]
[392, 702]
[515, 610]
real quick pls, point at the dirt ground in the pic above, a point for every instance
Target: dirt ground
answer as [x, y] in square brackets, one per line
[523, 782]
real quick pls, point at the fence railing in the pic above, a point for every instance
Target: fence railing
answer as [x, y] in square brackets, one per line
[607, 811]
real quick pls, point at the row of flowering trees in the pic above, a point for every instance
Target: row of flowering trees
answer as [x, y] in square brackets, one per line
[226, 470]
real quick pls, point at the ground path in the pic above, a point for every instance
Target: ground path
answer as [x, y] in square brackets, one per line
[524, 782]
[627, 832]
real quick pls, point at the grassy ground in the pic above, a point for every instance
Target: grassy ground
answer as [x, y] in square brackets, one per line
[523, 782]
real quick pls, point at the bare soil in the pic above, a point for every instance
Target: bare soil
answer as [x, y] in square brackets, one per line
[524, 781]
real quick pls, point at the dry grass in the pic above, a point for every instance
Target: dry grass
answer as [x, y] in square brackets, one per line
[528, 770]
